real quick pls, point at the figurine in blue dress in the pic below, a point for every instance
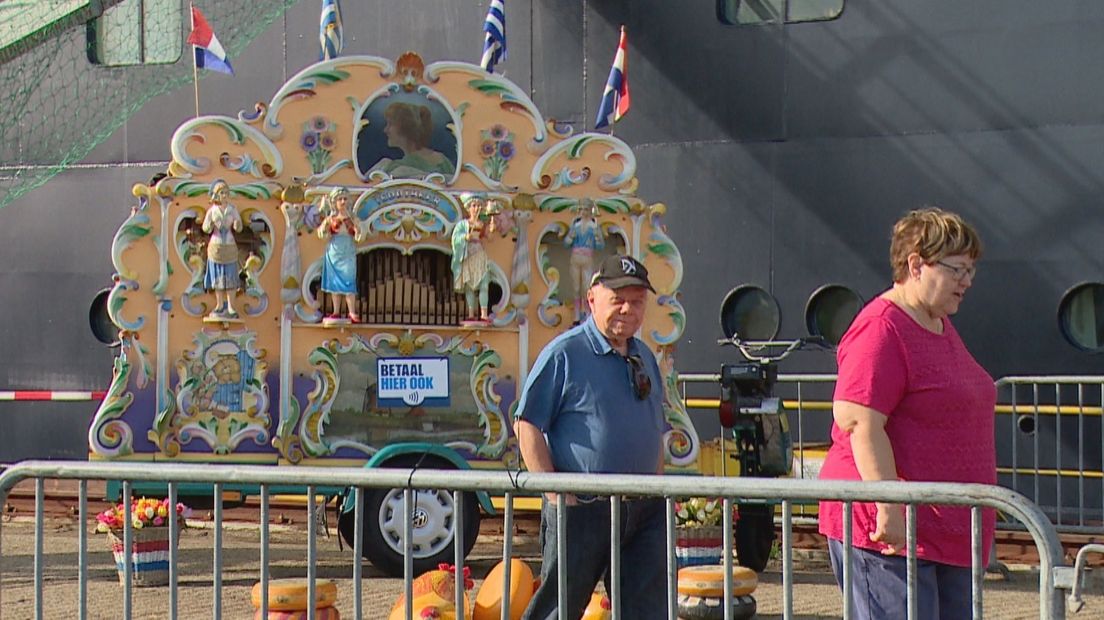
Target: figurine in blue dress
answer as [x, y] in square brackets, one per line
[339, 268]
[585, 238]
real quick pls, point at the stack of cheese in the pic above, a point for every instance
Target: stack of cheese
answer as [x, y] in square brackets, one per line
[287, 600]
[701, 592]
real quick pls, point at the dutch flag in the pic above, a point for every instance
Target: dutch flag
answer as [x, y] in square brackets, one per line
[209, 53]
[615, 99]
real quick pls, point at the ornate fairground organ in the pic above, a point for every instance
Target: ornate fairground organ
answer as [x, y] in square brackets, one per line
[372, 259]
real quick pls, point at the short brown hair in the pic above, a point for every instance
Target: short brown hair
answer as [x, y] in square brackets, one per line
[932, 233]
[413, 121]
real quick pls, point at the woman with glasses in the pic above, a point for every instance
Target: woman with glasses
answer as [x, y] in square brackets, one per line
[593, 403]
[912, 404]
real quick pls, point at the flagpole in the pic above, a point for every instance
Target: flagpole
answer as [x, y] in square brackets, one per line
[195, 68]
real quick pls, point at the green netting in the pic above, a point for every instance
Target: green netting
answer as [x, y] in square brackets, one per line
[72, 72]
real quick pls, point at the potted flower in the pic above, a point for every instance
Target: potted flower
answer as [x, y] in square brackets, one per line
[149, 554]
[699, 530]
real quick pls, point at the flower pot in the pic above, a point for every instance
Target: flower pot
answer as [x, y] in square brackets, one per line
[699, 545]
[149, 555]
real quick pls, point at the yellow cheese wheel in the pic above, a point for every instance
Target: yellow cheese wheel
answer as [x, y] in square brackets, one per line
[708, 580]
[324, 613]
[488, 602]
[291, 594]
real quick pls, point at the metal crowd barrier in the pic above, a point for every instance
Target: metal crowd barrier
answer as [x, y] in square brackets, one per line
[1053, 576]
[1049, 435]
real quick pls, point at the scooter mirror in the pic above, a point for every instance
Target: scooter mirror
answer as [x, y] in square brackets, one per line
[750, 312]
[830, 310]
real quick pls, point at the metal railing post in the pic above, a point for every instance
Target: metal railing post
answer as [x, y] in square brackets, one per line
[264, 550]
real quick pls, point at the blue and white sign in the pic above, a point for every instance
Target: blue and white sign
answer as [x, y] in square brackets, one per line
[412, 381]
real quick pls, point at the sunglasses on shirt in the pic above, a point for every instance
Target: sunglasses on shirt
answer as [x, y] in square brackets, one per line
[638, 377]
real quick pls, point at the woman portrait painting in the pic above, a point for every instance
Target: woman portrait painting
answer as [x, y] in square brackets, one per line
[912, 404]
[412, 149]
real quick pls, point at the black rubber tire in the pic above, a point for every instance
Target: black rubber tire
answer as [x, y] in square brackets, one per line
[695, 608]
[755, 536]
[387, 556]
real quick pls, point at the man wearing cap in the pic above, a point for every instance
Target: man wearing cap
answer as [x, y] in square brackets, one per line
[593, 403]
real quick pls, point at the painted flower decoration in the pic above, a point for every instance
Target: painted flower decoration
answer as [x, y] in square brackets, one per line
[497, 149]
[144, 512]
[318, 140]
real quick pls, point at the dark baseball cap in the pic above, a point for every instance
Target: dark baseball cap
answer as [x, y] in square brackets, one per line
[619, 271]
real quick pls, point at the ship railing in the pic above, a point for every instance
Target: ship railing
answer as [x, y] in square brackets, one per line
[1050, 439]
[1054, 576]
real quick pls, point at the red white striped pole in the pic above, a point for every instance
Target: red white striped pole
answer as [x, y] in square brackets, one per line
[51, 395]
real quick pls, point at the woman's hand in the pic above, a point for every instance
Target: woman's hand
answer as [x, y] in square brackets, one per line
[890, 528]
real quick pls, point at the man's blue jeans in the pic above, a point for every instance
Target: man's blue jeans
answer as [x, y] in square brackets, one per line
[643, 559]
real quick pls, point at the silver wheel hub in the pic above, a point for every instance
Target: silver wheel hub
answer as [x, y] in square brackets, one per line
[433, 520]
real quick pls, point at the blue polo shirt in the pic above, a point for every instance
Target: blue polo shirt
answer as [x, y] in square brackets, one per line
[580, 395]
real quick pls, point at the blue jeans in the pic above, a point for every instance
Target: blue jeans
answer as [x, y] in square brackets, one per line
[878, 586]
[643, 559]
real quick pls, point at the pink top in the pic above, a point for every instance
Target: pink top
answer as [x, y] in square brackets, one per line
[940, 404]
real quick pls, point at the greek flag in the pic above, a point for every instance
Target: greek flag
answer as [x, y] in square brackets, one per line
[494, 43]
[615, 99]
[329, 33]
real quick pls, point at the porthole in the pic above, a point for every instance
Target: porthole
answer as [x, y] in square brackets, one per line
[98, 320]
[830, 310]
[1081, 316]
[751, 313]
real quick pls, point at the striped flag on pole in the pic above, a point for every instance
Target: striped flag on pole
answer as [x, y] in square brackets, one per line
[615, 99]
[494, 41]
[209, 53]
[330, 34]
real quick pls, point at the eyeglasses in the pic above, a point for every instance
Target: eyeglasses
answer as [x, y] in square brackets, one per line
[959, 272]
[638, 377]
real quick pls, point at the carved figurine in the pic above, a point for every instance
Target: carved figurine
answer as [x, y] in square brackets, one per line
[339, 264]
[584, 238]
[222, 275]
[471, 272]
